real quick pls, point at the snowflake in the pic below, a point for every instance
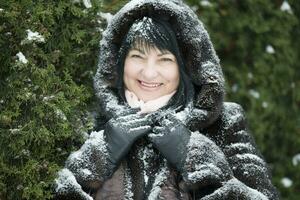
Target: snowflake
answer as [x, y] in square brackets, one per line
[286, 182]
[87, 3]
[22, 58]
[270, 49]
[205, 3]
[285, 6]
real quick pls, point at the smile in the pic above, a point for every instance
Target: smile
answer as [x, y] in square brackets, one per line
[150, 85]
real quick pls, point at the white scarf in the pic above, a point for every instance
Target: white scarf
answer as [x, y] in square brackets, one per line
[149, 106]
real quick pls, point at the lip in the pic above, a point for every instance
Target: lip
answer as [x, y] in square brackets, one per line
[149, 86]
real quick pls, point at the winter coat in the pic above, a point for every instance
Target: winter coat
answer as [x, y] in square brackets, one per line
[145, 173]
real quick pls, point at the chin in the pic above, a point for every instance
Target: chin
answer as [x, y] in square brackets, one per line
[146, 98]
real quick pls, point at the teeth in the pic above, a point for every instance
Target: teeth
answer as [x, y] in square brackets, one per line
[153, 85]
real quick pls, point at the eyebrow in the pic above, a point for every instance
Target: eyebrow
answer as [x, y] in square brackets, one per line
[164, 53]
[143, 52]
[139, 50]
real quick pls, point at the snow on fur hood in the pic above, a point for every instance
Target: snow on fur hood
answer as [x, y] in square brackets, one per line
[200, 58]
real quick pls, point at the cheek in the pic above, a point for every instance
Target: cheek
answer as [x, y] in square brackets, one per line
[172, 75]
[130, 69]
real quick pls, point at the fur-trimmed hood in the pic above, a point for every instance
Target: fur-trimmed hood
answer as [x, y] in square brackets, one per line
[200, 58]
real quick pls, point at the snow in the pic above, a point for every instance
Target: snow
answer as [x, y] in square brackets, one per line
[286, 182]
[128, 185]
[270, 49]
[182, 116]
[48, 98]
[293, 85]
[248, 156]
[160, 177]
[204, 158]
[296, 159]
[87, 172]
[22, 58]
[239, 188]
[141, 29]
[240, 146]
[265, 104]
[154, 135]
[139, 128]
[256, 194]
[14, 130]
[232, 113]
[87, 3]
[254, 93]
[88, 164]
[20, 187]
[195, 8]
[34, 36]
[285, 7]
[205, 3]
[203, 171]
[60, 114]
[235, 88]
[250, 75]
[66, 181]
[145, 154]
[107, 16]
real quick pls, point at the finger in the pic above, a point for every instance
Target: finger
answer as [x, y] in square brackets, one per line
[128, 118]
[173, 118]
[129, 111]
[140, 131]
[167, 122]
[158, 129]
[137, 123]
[151, 117]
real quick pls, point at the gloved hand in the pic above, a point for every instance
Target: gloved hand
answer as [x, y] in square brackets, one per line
[235, 189]
[171, 138]
[200, 161]
[122, 132]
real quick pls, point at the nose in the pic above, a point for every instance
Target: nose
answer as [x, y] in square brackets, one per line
[149, 71]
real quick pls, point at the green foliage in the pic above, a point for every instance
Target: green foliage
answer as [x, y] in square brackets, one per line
[263, 81]
[44, 103]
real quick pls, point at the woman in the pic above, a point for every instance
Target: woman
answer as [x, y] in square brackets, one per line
[165, 132]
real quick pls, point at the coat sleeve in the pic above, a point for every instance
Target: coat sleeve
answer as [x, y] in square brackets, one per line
[246, 162]
[85, 169]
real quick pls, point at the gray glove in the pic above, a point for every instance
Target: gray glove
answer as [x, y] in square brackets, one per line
[171, 138]
[122, 132]
[200, 161]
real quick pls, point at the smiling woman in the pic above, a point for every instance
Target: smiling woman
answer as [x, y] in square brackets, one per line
[151, 63]
[166, 132]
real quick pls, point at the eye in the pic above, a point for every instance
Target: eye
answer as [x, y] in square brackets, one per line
[166, 59]
[136, 56]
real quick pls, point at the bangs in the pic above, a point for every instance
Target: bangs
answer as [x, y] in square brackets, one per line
[153, 33]
[150, 33]
[146, 46]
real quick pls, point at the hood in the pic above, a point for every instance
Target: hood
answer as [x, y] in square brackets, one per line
[200, 58]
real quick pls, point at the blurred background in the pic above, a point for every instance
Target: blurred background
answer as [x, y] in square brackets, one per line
[48, 56]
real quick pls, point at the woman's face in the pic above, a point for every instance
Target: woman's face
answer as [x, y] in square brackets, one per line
[151, 74]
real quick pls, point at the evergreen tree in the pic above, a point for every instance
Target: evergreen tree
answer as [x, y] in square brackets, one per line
[48, 56]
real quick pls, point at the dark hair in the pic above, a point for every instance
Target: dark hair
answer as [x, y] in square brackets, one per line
[148, 33]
